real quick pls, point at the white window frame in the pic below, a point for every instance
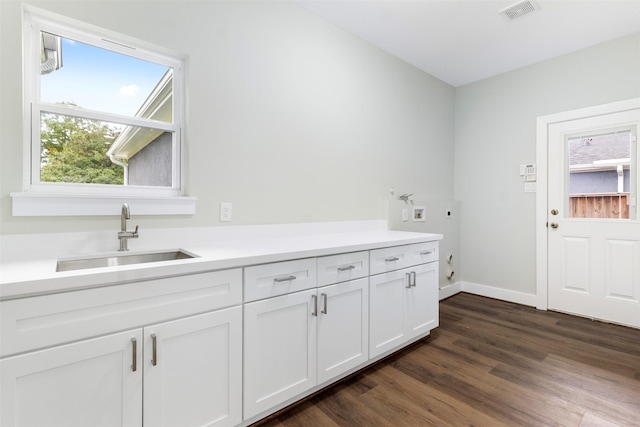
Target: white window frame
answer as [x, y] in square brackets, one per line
[59, 199]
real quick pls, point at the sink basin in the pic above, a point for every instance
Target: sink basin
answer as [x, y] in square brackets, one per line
[124, 259]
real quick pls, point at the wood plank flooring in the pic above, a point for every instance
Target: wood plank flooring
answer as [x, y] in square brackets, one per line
[491, 363]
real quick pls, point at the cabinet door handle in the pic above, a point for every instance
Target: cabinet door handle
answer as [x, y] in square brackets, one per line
[315, 305]
[347, 268]
[395, 258]
[413, 279]
[407, 276]
[134, 359]
[154, 350]
[426, 253]
[284, 279]
[324, 299]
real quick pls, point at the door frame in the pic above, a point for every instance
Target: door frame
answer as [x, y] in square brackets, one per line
[542, 208]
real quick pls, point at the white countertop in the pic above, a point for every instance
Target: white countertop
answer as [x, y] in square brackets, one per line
[36, 276]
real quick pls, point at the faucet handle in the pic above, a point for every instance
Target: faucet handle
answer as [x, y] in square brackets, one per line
[135, 232]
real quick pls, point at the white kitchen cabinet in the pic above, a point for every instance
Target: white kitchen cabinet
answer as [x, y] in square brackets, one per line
[193, 371]
[296, 341]
[343, 327]
[191, 375]
[62, 366]
[279, 349]
[96, 382]
[403, 305]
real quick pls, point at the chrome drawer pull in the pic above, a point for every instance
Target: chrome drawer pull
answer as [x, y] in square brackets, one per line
[395, 258]
[347, 268]
[154, 351]
[324, 298]
[315, 305]
[134, 364]
[426, 253]
[284, 279]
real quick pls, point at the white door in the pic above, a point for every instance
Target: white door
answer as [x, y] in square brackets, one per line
[193, 371]
[343, 327]
[279, 349]
[594, 231]
[97, 382]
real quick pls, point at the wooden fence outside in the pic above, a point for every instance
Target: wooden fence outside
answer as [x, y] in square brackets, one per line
[608, 205]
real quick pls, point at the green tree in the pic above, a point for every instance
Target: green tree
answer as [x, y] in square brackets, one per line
[75, 150]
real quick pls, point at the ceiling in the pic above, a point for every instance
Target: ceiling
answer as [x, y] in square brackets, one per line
[462, 41]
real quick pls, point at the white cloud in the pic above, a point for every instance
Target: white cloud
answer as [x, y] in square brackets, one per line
[128, 91]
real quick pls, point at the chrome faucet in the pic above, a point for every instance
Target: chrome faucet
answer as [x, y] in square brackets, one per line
[123, 235]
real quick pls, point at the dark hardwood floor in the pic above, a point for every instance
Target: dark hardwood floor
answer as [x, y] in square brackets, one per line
[491, 363]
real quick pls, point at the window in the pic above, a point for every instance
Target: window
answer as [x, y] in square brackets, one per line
[600, 171]
[104, 118]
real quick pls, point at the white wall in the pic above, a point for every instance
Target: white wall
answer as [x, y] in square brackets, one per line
[289, 118]
[495, 132]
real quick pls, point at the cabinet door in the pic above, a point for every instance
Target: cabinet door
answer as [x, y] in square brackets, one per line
[403, 305]
[97, 382]
[279, 349]
[387, 311]
[193, 371]
[421, 302]
[343, 327]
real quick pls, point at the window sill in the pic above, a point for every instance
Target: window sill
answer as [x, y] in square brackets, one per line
[39, 204]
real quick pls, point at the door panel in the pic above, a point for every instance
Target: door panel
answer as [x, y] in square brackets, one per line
[97, 382]
[593, 240]
[197, 366]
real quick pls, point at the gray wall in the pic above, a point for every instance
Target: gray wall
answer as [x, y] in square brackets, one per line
[289, 118]
[496, 132]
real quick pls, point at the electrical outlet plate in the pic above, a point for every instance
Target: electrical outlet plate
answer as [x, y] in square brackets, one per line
[225, 212]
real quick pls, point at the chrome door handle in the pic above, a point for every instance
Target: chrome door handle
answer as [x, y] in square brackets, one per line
[134, 360]
[412, 282]
[408, 277]
[154, 350]
[315, 305]
[554, 225]
[324, 299]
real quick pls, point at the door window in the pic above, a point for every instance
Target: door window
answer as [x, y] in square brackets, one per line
[601, 172]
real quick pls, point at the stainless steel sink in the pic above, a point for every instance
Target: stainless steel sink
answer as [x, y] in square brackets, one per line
[124, 259]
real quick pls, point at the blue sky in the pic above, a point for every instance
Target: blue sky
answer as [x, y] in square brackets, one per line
[99, 79]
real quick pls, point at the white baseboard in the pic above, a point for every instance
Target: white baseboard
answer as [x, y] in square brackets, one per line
[488, 291]
[500, 293]
[450, 290]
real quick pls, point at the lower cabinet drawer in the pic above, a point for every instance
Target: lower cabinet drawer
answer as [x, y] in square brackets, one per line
[38, 322]
[343, 267]
[279, 278]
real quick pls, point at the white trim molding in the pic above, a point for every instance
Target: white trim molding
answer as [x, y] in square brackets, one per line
[449, 290]
[543, 124]
[489, 292]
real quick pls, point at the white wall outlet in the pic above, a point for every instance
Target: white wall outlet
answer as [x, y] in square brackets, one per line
[418, 213]
[225, 212]
[405, 214]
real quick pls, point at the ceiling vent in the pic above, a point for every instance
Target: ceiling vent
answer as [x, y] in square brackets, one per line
[519, 9]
